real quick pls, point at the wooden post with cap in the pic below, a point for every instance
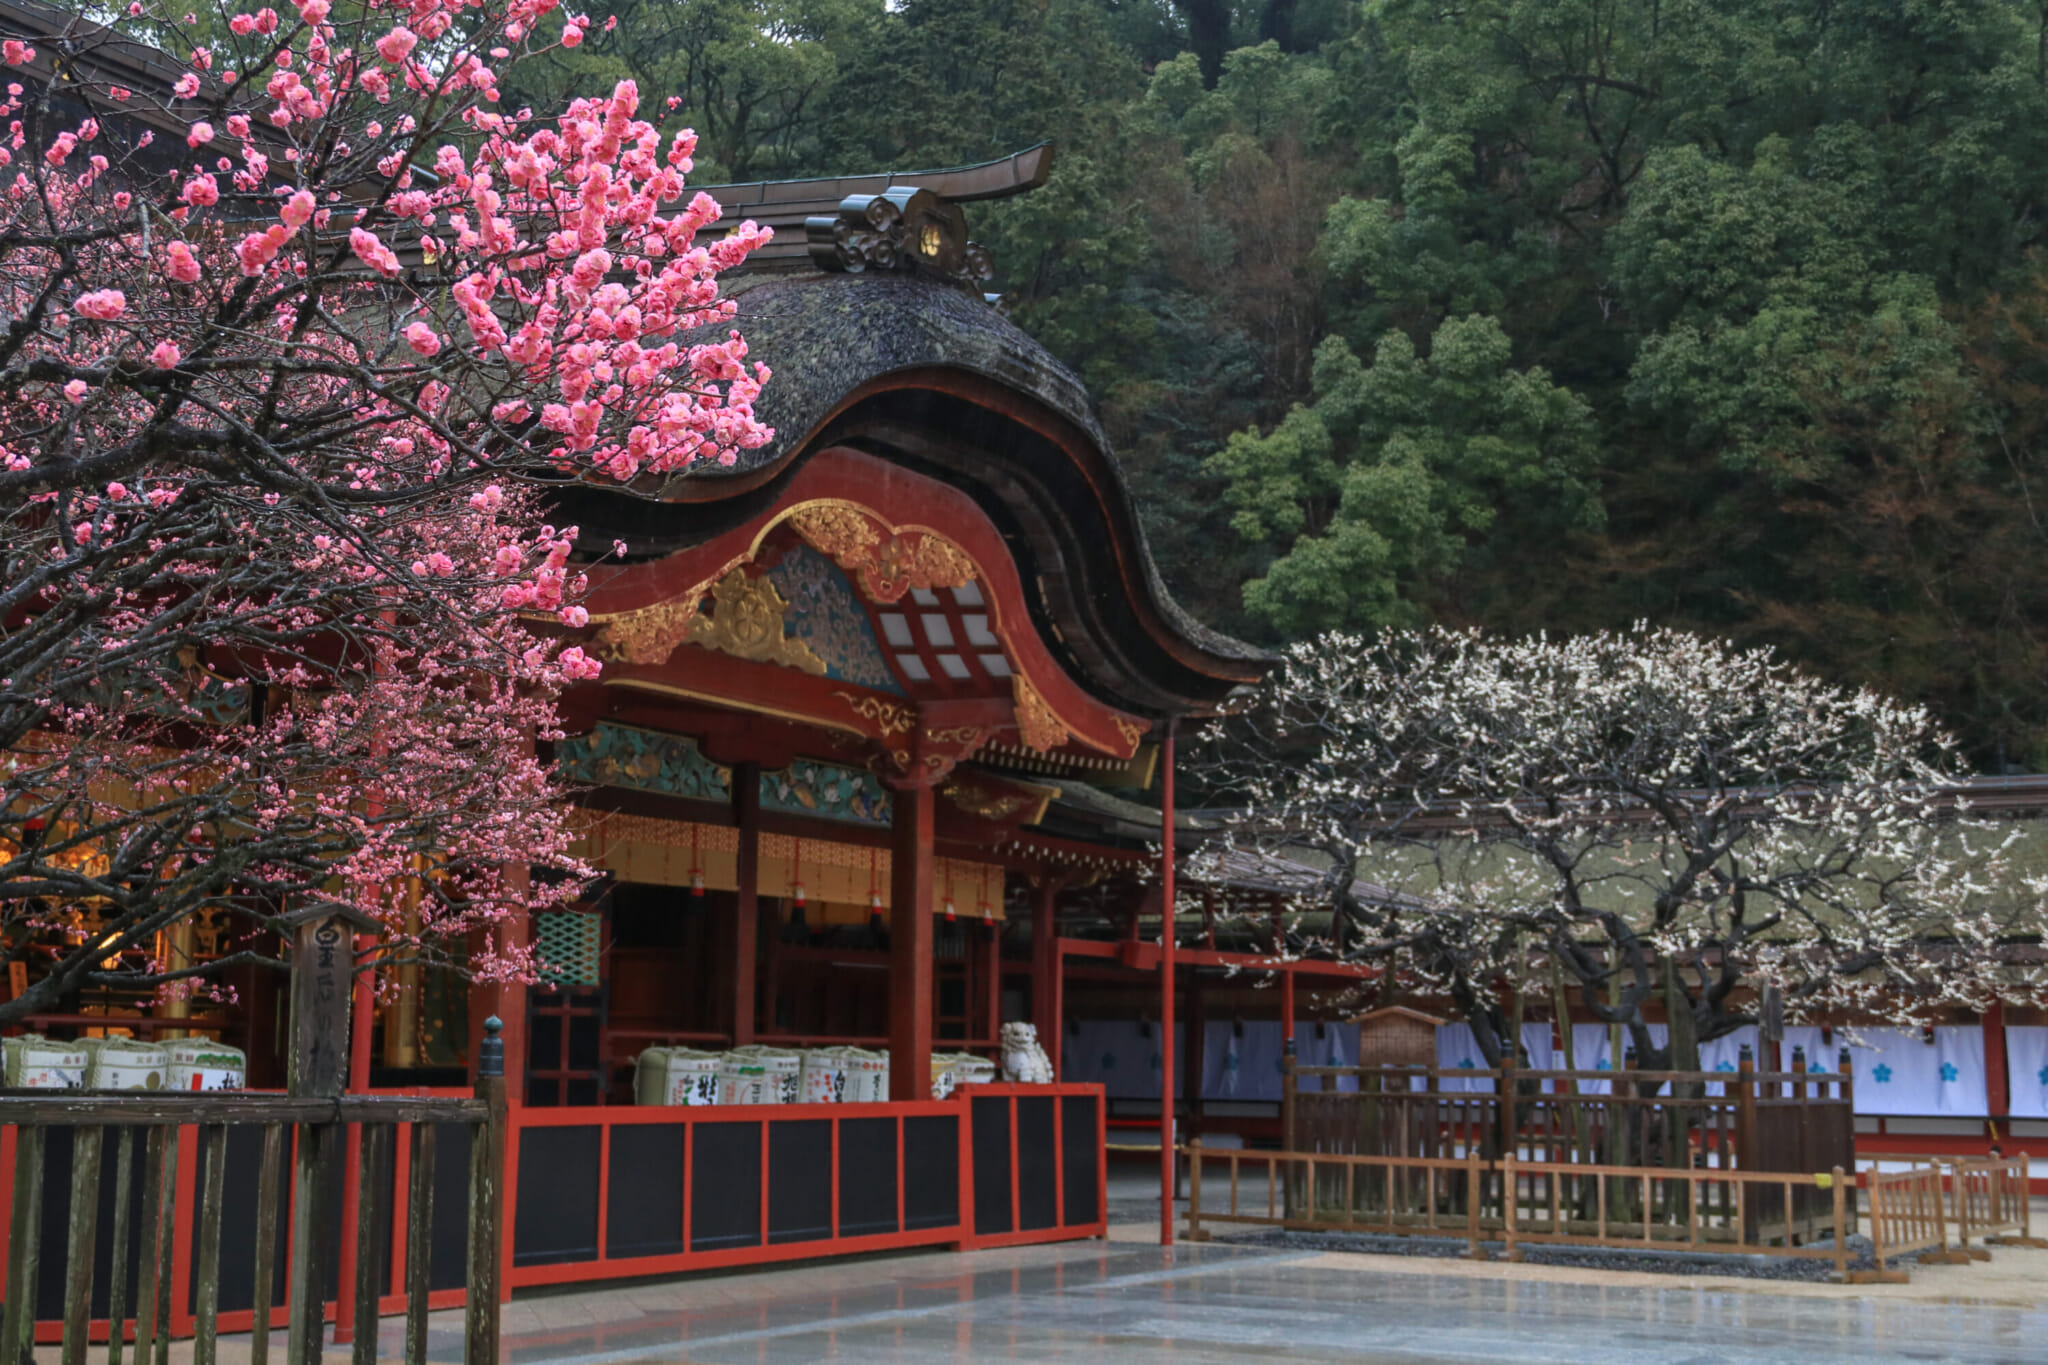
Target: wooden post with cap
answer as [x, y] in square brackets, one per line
[486, 1194]
[323, 964]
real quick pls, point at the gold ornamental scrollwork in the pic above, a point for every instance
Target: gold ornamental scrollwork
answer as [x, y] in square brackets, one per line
[647, 635]
[889, 717]
[1131, 731]
[983, 803]
[748, 622]
[957, 736]
[1037, 724]
[890, 561]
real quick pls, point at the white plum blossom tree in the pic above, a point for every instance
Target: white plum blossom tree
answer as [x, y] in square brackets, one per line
[1629, 814]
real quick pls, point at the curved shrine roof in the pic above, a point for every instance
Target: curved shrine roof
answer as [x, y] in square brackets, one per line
[927, 375]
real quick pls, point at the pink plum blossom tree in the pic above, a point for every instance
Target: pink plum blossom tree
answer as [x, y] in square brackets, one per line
[298, 324]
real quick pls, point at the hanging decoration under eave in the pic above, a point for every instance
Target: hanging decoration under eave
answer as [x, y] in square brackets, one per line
[650, 851]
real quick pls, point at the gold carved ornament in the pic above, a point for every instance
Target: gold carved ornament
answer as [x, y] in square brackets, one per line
[748, 623]
[888, 716]
[1131, 731]
[647, 635]
[889, 561]
[1037, 724]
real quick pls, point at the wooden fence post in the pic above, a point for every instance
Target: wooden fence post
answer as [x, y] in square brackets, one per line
[1289, 1116]
[1474, 1174]
[1195, 1233]
[1745, 1110]
[1841, 1235]
[1509, 1197]
[486, 1183]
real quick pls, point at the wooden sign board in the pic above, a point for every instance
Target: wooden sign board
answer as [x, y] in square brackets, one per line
[323, 978]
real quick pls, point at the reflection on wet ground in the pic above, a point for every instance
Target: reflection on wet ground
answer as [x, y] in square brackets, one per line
[1216, 1303]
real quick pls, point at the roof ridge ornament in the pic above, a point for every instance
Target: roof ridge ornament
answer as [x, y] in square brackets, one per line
[903, 229]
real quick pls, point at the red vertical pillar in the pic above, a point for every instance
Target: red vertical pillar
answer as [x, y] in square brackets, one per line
[746, 800]
[910, 944]
[992, 982]
[1166, 983]
[1286, 1011]
[1046, 966]
[1997, 1096]
[362, 1022]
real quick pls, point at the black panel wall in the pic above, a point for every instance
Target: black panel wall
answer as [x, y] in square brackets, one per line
[557, 1216]
[645, 1213]
[800, 1196]
[725, 1187]
[1080, 1153]
[867, 1177]
[448, 1235]
[991, 1142]
[1037, 1176]
[931, 1165]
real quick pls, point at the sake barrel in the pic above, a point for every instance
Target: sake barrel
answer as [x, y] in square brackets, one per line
[784, 1069]
[33, 1062]
[676, 1076]
[867, 1076]
[202, 1064]
[825, 1076]
[125, 1064]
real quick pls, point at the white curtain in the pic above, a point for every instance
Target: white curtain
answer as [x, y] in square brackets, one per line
[2026, 1070]
[1724, 1054]
[1897, 1073]
[1592, 1053]
[1458, 1050]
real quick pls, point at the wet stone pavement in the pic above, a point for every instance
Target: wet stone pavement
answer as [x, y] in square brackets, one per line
[1125, 1302]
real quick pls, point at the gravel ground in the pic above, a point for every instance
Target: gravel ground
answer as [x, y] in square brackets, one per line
[1816, 1270]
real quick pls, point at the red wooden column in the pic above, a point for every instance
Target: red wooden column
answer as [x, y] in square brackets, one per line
[1997, 1095]
[1166, 983]
[1046, 965]
[746, 800]
[910, 944]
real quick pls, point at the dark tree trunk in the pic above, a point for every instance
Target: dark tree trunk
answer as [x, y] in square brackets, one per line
[1208, 34]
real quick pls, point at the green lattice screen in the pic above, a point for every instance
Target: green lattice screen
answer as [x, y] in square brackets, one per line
[567, 943]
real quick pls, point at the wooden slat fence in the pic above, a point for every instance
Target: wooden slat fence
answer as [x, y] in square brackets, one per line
[1989, 1199]
[1468, 1196]
[1908, 1216]
[140, 1136]
[1795, 1121]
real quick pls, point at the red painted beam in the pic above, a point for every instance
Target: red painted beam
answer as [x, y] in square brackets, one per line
[1144, 957]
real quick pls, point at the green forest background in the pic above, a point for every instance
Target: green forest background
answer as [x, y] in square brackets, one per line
[1729, 314]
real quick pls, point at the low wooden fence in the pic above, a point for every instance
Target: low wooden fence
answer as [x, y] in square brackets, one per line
[119, 1156]
[1990, 1200]
[1909, 1216]
[1515, 1202]
[1785, 1121]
